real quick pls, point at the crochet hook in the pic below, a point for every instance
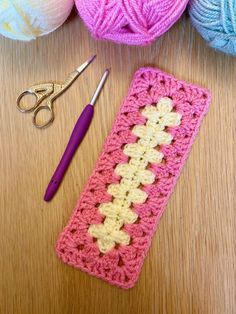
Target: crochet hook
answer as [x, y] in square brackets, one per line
[78, 133]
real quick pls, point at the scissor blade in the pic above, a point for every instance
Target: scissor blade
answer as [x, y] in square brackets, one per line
[83, 66]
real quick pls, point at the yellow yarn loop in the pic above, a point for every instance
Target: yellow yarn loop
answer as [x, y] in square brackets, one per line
[28, 19]
[133, 174]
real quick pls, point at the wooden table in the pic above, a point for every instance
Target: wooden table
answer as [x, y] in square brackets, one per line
[190, 266]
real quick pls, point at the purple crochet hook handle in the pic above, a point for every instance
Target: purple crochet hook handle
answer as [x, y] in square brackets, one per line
[76, 138]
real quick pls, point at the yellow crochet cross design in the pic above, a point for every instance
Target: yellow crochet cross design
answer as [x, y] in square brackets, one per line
[134, 174]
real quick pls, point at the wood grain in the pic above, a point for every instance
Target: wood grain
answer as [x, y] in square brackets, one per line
[190, 267]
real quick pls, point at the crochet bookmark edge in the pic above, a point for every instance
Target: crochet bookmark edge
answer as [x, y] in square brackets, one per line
[177, 174]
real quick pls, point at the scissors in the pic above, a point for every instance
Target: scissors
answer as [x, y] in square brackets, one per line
[48, 92]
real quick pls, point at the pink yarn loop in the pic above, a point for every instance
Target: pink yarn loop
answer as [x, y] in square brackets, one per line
[133, 22]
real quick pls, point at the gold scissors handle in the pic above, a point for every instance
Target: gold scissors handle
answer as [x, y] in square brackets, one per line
[47, 107]
[40, 92]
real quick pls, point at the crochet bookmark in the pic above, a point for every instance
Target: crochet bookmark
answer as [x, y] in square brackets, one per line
[111, 228]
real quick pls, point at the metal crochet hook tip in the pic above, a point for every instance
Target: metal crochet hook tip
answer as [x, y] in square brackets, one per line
[83, 66]
[100, 86]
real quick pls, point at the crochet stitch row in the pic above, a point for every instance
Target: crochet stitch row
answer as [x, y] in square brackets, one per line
[134, 173]
[110, 230]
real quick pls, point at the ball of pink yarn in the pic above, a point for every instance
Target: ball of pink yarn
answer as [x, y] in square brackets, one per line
[133, 22]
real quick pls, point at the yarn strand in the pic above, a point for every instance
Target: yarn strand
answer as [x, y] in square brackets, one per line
[132, 22]
[216, 22]
[28, 19]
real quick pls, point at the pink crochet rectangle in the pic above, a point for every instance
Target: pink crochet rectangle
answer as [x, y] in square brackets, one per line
[110, 230]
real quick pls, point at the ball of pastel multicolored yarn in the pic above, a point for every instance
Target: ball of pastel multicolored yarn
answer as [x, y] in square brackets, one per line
[128, 21]
[28, 19]
[215, 20]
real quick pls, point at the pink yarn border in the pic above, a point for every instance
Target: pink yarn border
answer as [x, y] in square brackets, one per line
[65, 240]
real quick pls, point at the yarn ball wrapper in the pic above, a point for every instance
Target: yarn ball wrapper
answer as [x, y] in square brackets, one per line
[215, 20]
[28, 19]
[132, 22]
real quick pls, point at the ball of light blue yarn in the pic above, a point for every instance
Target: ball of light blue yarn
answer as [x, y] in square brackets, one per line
[215, 20]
